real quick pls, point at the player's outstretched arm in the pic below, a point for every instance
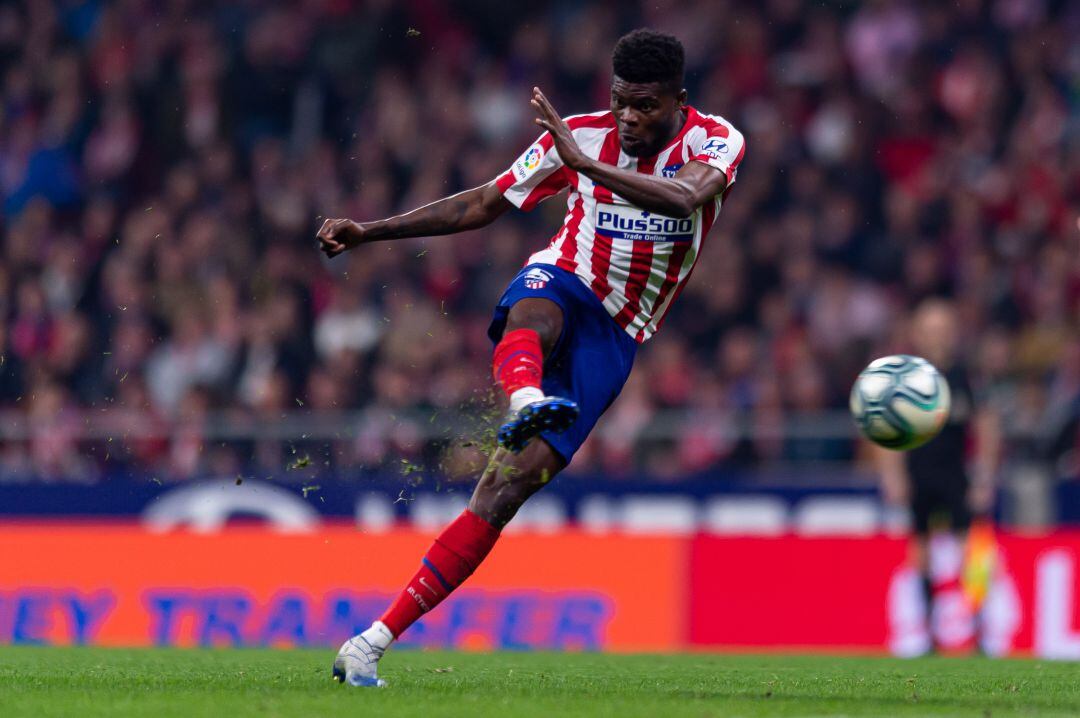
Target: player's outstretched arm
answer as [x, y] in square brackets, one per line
[894, 475]
[692, 186]
[987, 427]
[471, 209]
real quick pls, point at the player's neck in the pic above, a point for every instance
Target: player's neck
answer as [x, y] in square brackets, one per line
[676, 131]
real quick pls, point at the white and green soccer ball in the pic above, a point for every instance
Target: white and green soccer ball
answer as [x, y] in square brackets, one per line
[900, 401]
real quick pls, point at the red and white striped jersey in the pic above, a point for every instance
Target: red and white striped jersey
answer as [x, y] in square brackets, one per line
[635, 261]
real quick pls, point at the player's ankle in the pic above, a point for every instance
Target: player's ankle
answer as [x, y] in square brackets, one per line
[378, 635]
[525, 396]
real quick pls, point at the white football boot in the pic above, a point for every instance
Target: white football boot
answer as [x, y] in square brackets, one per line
[357, 662]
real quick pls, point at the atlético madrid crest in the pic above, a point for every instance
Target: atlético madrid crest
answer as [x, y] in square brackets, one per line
[537, 278]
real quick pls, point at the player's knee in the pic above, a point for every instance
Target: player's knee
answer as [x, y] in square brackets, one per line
[542, 316]
[545, 326]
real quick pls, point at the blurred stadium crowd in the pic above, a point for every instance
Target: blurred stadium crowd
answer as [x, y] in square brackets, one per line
[164, 166]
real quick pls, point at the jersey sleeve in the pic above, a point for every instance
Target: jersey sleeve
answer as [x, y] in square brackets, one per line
[722, 147]
[536, 175]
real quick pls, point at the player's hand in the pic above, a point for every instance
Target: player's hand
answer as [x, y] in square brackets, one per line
[550, 120]
[337, 235]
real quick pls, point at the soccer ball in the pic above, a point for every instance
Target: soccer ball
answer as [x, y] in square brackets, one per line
[900, 401]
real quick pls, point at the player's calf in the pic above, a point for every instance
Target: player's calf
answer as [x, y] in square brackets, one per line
[506, 484]
[452, 558]
[511, 479]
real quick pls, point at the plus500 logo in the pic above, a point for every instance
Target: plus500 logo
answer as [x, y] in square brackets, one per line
[634, 224]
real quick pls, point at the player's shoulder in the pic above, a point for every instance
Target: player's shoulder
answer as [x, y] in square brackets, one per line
[601, 120]
[714, 125]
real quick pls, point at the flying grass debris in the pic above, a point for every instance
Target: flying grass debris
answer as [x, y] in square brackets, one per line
[300, 462]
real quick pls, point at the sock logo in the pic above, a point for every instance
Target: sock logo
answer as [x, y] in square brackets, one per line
[419, 599]
[537, 278]
[427, 585]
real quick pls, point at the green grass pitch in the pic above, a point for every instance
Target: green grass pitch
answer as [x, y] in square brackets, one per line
[235, 683]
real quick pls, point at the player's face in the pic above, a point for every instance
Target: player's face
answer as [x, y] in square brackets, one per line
[935, 333]
[649, 115]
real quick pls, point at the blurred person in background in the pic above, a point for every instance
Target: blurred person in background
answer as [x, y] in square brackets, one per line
[887, 162]
[949, 481]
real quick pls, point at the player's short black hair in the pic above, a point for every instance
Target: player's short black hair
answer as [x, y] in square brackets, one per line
[645, 55]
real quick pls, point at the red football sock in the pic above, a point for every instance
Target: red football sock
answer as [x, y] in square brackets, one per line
[453, 557]
[518, 360]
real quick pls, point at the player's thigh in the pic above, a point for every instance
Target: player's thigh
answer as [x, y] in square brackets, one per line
[592, 371]
[957, 508]
[924, 501]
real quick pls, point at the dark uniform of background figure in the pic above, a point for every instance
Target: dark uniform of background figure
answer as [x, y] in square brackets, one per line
[943, 482]
[937, 471]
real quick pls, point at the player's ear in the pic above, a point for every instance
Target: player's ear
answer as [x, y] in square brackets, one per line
[681, 96]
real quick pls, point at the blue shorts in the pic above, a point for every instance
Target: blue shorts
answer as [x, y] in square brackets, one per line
[591, 360]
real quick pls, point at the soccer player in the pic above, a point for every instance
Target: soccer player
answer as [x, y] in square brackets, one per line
[933, 479]
[646, 179]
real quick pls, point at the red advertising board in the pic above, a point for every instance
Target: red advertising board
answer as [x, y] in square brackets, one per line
[122, 585]
[118, 584]
[844, 593]
[791, 592]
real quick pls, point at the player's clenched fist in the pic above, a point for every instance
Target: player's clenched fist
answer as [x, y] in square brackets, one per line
[337, 235]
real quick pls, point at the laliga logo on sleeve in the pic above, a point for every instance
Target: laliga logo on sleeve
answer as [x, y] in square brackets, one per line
[528, 162]
[532, 158]
[714, 147]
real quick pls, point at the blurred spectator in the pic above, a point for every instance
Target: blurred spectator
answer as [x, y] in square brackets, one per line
[164, 166]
